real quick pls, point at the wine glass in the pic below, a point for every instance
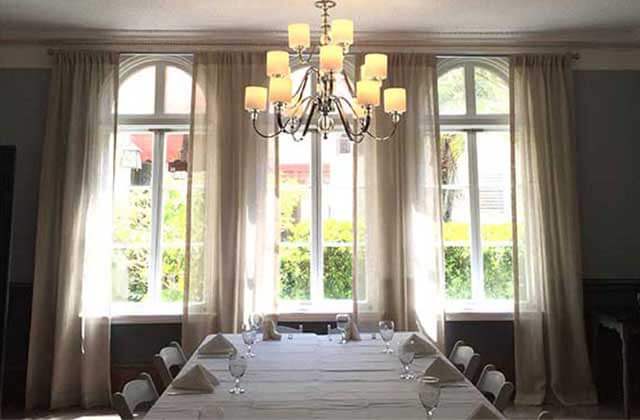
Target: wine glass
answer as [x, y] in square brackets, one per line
[237, 369]
[386, 332]
[249, 338]
[329, 332]
[256, 321]
[429, 394]
[406, 358]
[342, 323]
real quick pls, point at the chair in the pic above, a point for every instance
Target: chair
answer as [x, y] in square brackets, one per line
[545, 415]
[134, 393]
[495, 387]
[283, 329]
[465, 359]
[168, 362]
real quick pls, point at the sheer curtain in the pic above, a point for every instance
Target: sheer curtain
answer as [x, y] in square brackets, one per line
[231, 201]
[550, 344]
[399, 194]
[69, 347]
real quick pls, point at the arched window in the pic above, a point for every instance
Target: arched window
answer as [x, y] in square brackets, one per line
[154, 105]
[476, 182]
[316, 214]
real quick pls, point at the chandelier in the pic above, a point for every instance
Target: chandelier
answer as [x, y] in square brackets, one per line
[294, 111]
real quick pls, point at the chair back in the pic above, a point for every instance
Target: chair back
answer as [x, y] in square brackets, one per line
[545, 415]
[495, 387]
[135, 392]
[465, 359]
[168, 360]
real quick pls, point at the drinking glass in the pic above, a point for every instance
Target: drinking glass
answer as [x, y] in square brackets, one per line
[249, 338]
[386, 332]
[329, 332]
[342, 323]
[237, 369]
[429, 394]
[406, 358]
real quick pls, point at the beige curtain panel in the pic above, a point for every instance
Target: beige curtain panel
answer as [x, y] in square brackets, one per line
[69, 363]
[231, 201]
[550, 345]
[399, 200]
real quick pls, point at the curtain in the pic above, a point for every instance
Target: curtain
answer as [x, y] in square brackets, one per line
[69, 361]
[550, 344]
[399, 193]
[231, 201]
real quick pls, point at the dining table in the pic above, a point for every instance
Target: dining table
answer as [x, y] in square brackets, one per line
[309, 376]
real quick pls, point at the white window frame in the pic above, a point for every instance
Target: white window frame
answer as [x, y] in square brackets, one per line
[160, 124]
[317, 305]
[471, 123]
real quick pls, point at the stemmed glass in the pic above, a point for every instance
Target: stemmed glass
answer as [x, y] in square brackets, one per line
[342, 323]
[406, 358]
[429, 394]
[237, 369]
[386, 332]
[255, 321]
[249, 338]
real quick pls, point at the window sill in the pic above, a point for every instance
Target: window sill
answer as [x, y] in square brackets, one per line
[146, 319]
[141, 313]
[490, 310]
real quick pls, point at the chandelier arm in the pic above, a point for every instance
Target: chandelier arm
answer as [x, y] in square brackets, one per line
[364, 123]
[384, 138]
[263, 135]
[349, 83]
[302, 59]
[353, 134]
[300, 90]
[308, 123]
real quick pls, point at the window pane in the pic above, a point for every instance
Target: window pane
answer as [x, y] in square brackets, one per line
[457, 236]
[177, 96]
[137, 92]
[174, 215]
[337, 215]
[454, 158]
[498, 272]
[132, 216]
[295, 218]
[494, 178]
[492, 93]
[451, 92]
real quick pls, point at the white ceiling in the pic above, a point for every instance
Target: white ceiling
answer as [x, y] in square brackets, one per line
[448, 16]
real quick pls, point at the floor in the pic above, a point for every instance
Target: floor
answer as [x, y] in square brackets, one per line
[519, 413]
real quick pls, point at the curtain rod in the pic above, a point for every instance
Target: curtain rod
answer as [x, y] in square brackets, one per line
[52, 51]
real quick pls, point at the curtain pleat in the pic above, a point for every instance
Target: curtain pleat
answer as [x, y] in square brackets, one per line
[399, 191]
[550, 343]
[69, 347]
[231, 201]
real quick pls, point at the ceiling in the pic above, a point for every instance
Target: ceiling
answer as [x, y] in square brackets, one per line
[434, 16]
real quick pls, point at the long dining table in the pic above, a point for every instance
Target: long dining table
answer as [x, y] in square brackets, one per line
[306, 376]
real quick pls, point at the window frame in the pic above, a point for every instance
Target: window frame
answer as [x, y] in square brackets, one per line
[318, 305]
[471, 124]
[160, 124]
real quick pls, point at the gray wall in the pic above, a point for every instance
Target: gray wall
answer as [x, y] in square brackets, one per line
[608, 143]
[23, 107]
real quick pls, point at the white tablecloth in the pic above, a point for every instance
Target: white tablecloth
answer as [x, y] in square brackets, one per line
[309, 377]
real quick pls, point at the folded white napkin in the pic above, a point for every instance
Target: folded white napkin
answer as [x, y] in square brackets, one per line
[197, 378]
[217, 346]
[352, 333]
[269, 332]
[418, 345]
[443, 371]
[482, 412]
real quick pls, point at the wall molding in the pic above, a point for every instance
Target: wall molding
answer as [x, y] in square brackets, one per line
[629, 38]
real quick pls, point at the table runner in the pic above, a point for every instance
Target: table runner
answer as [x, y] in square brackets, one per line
[310, 377]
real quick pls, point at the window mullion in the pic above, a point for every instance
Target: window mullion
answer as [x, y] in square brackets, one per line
[155, 259]
[317, 291]
[477, 282]
[159, 103]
